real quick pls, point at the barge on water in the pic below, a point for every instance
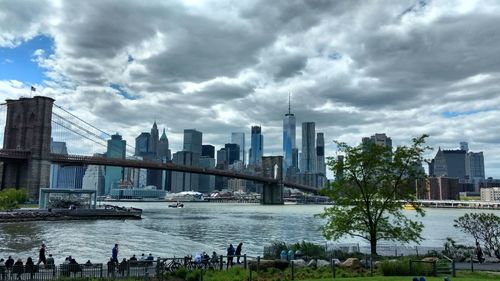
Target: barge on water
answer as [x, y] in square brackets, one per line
[108, 212]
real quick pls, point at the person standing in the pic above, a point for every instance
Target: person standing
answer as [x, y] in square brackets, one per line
[238, 253]
[41, 255]
[230, 255]
[114, 254]
[479, 253]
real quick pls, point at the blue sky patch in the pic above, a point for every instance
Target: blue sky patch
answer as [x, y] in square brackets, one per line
[18, 63]
[451, 114]
[122, 92]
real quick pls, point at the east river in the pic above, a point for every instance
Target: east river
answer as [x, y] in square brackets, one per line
[169, 232]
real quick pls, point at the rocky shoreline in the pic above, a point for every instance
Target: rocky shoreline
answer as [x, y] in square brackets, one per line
[66, 214]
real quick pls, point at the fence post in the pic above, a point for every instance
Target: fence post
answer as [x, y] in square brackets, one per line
[471, 262]
[334, 273]
[453, 269]
[250, 275]
[201, 274]
[158, 269]
[371, 265]
[221, 260]
[100, 271]
[411, 269]
[245, 261]
[293, 274]
[258, 266]
[434, 268]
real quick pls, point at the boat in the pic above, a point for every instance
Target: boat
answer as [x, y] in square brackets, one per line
[178, 205]
[409, 207]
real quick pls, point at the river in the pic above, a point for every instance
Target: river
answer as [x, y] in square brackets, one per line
[168, 232]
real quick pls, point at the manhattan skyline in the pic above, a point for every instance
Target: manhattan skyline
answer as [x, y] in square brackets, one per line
[355, 68]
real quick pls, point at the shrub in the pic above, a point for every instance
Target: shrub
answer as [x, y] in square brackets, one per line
[10, 198]
[402, 268]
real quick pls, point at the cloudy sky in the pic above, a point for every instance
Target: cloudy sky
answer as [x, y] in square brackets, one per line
[354, 67]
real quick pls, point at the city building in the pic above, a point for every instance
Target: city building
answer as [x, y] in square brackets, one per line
[192, 141]
[308, 160]
[449, 163]
[153, 144]
[114, 175]
[93, 178]
[320, 154]
[490, 194]
[239, 139]
[142, 144]
[474, 168]
[207, 182]
[185, 181]
[256, 146]
[289, 146]
[237, 185]
[208, 150]
[232, 152]
[163, 152]
[380, 139]
[438, 188]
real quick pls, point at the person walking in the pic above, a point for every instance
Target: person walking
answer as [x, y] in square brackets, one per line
[114, 254]
[238, 253]
[41, 255]
[230, 255]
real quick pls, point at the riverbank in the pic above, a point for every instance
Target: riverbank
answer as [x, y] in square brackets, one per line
[24, 215]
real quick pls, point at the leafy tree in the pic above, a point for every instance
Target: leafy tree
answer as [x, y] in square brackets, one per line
[372, 185]
[10, 198]
[484, 227]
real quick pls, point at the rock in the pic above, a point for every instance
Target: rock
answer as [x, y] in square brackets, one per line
[430, 259]
[265, 264]
[322, 263]
[336, 261]
[312, 263]
[352, 263]
[299, 263]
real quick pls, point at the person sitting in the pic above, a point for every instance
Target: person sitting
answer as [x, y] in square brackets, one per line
[3, 269]
[111, 267]
[9, 263]
[88, 263]
[122, 267]
[50, 262]
[150, 259]
[18, 268]
[197, 258]
[29, 267]
[74, 266]
[133, 258]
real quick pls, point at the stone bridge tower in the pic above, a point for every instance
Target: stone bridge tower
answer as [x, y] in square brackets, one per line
[272, 193]
[28, 127]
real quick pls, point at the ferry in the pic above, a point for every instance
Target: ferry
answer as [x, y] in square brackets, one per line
[409, 207]
[185, 196]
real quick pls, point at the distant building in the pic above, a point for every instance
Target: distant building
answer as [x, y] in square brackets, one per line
[114, 175]
[185, 181]
[142, 144]
[438, 188]
[320, 154]
[208, 150]
[93, 178]
[239, 139]
[449, 163]
[474, 168]
[207, 182]
[153, 144]
[289, 144]
[163, 152]
[490, 194]
[256, 146]
[192, 141]
[380, 139]
[308, 160]
[232, 152]
[237, 185]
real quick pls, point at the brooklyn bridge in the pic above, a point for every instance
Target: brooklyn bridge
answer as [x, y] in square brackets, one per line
[26, 154]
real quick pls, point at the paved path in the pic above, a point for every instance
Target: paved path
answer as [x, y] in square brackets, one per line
[479, 266]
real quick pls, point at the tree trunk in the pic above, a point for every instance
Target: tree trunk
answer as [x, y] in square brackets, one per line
[373, 244]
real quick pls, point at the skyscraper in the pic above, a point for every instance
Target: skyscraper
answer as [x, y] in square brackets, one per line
[192, 141]
[185, 181]
[232, 152]
[163, 152]
[288, 139]
[153, 144]
[381, 139]
[239, 139]
[142, 144]
[256, 146]
[475, 165]
[308, 160]
[113, 175]
[208, 150]
[320, 154]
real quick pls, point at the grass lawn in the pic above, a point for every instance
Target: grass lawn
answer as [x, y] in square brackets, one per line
[461, 276]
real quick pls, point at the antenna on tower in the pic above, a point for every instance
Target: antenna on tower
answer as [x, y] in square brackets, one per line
[289, 111]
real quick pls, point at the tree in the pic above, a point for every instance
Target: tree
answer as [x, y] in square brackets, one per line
[484, 228]
[10, 198]
[370, 194]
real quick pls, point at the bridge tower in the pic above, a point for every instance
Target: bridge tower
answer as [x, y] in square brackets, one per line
[28, 128]
[272, 193]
